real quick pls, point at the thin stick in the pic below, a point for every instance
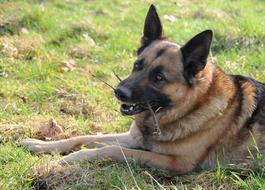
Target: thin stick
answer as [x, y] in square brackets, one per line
[127, 163]
[117, 76]
[146, 172]
[158, 131]
[158, 109]
[102, 81]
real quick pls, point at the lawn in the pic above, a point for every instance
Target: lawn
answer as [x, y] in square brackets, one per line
[39, 41]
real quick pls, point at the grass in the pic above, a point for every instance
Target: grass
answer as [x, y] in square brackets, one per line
[36, 36]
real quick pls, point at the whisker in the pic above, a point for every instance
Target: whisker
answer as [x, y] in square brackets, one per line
[102, 81]
[117, 76]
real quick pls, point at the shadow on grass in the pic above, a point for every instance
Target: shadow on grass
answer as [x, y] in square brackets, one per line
[225, 42]
[14, 24]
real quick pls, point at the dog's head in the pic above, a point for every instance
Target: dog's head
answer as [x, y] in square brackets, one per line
[163, 72]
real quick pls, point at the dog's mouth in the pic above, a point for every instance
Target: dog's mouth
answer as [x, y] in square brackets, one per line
[136, 108]
[132, 109]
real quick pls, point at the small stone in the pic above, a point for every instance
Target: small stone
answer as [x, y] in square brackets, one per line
[67, 65]
[24, 30]
[170, 18]
[89, 40]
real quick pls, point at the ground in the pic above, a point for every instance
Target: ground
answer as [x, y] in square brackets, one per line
[100, 37]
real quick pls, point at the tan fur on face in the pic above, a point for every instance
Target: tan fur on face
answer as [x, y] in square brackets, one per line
[184, 98]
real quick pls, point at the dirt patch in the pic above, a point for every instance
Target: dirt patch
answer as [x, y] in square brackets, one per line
[80, 51]
[22, 47]
[51, 175]
[50, 131]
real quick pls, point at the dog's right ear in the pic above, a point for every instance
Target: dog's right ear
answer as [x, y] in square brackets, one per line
[195, 53]
[153, 29]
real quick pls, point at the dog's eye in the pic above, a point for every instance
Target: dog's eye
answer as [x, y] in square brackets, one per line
[138, 65]
[159, 77]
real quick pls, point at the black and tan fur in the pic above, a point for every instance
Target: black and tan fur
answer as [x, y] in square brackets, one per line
[201, 113]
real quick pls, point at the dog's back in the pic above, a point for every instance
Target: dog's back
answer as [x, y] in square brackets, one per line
[246, 134]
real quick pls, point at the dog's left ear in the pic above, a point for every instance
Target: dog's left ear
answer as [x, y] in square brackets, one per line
[153, 29]
[195, 53]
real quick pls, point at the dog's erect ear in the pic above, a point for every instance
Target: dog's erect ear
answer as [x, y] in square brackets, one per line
[152, 25]
[195, 53]
[153, 29]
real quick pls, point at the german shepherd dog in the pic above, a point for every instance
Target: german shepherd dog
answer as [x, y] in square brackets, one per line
[188, 112]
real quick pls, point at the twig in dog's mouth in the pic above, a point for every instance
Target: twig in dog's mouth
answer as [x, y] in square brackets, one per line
[157, 129]
[102, 81]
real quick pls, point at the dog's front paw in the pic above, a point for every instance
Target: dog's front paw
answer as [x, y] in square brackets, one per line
[35, 145]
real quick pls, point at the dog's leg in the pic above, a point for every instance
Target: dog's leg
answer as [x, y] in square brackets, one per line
[131, 139]
[121, 154]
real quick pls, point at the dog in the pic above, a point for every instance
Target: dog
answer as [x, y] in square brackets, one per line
[188, 112]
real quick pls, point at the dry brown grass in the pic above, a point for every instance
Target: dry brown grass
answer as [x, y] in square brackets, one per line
[50, 175]
[22, 47]
[80, 51]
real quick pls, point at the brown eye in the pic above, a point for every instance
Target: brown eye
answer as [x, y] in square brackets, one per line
[159, 77]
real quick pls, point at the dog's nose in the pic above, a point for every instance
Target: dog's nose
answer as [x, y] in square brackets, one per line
[123, 94]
